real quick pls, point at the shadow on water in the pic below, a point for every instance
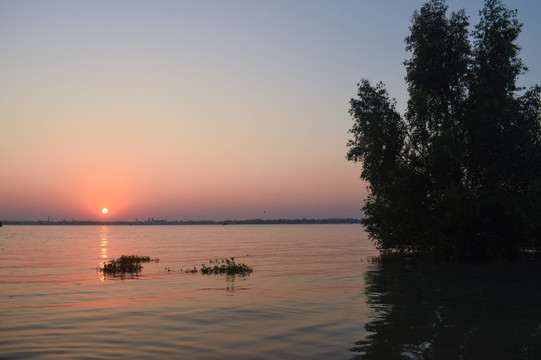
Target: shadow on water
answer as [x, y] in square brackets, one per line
[453, 311]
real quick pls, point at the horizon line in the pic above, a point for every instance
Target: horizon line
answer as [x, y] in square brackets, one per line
[152, 221]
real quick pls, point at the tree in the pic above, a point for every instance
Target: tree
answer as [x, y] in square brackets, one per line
[459, 176]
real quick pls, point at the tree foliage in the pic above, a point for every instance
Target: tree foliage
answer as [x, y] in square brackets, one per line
[459, 175]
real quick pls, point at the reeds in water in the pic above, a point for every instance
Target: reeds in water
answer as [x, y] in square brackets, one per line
[125, 264]
[223, 267]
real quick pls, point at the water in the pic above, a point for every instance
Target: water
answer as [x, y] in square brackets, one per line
[453, 311]
[313, 295]
[305, 298]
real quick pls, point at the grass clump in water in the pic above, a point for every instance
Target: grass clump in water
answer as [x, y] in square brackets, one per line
[222, 267]
[125, 264]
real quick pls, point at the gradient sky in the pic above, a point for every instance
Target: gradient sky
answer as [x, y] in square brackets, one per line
[196, 109]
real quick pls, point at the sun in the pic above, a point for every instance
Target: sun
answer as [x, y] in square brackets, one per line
[104, 211]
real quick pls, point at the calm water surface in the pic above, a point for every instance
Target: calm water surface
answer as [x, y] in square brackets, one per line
[305, 298]
[313, 295]
[453, 311]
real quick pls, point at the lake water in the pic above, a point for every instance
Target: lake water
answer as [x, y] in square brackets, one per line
[305, 298]
[312, 295]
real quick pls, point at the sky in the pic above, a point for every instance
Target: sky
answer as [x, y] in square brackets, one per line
[179, 110]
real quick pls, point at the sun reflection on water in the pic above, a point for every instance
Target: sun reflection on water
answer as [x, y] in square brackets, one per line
[103, 243]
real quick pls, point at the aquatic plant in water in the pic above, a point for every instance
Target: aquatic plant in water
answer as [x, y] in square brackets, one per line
[223, 267]
[125, 264]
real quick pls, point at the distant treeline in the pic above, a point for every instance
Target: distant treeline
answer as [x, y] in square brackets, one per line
[188, 222]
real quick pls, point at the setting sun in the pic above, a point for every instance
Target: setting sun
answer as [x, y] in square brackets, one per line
[104, 211]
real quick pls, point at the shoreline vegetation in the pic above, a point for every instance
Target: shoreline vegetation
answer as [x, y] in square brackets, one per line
[151, 221]
[457, 176]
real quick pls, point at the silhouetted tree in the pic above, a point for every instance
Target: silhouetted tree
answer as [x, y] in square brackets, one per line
[459, 176]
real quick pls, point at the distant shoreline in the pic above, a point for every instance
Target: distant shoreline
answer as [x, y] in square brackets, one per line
[187, 222]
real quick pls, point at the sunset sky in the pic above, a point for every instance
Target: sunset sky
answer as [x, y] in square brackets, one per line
[202, 109]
